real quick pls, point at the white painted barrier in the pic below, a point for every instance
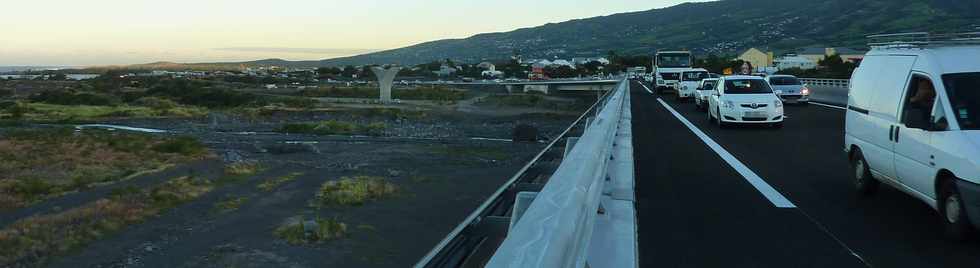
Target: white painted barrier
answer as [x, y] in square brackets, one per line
[839, 83]
[557, 228]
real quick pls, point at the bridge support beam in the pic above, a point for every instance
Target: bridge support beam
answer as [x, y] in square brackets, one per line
[386, 79]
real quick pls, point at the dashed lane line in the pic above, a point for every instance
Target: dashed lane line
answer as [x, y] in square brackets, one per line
[764, 188]
[645, 87]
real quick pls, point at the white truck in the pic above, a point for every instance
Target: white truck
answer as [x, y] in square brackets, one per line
[667, 68]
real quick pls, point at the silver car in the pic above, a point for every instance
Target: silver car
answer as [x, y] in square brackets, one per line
[789, 88]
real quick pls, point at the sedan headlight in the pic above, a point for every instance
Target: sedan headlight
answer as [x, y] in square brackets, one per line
[729, 104]
[778, 103]
[805, 91]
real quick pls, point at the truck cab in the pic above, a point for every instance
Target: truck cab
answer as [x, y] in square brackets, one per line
[667, 68]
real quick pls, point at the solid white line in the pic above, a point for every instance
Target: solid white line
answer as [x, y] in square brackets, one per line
[645, 87]
[764, 188]
[827, 105]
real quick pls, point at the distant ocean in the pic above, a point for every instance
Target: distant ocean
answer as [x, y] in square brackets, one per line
[7, 69]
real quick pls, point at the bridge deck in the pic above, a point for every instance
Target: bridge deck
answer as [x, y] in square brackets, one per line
[695, 210]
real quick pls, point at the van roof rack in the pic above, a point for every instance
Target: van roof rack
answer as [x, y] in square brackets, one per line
[923, 39]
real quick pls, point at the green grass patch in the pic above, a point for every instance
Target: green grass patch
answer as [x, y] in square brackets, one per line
[241, 169]
[315, 231]
[229, 204]
[272, 184]
[354, 191]
[333, 127]
[55, 112]
[33, 241]
[43, 163]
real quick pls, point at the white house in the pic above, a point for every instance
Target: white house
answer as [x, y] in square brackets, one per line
[795, 61]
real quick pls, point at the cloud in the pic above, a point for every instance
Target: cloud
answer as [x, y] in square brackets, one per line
[299, 50]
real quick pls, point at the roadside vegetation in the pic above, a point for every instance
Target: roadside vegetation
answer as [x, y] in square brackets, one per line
[35, 240]
[333, 127]
[354, 191]
[298, 231]
[39, 164]
[229, 204]
[274, 183]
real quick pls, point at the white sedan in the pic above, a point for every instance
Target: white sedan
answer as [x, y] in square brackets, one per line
[745, 100]
[703, 91]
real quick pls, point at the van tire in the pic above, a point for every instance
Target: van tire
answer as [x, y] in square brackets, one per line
[710, 118]
[956, 224]
[864, 182]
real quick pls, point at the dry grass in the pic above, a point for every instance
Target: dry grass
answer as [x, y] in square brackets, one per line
[292, 231]
[33, 241]
[242, 168]
[39, 164]
[54, 112]
[272, 184]
[230, 204]
[354, 191]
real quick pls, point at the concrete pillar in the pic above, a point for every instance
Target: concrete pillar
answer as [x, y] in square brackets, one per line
[386, 78]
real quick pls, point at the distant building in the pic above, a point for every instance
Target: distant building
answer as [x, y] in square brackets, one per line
[445, 70]
[817, 54]
[757, 58]
[486, 65]
[795, 61]
[583, 61]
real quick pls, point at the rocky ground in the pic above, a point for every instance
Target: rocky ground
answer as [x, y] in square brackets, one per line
[443, 162]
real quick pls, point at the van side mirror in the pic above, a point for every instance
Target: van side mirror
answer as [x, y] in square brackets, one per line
[941, 125]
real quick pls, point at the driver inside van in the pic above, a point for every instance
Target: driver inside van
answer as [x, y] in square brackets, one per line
[921, 104]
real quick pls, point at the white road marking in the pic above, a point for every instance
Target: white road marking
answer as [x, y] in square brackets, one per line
[645, 87]
[828, 105]
[764, 188]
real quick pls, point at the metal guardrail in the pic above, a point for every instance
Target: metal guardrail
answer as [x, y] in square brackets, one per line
[473, 241]
[556, 229]
[841, 83]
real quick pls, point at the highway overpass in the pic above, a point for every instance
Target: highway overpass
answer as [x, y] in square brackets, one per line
[704, 197]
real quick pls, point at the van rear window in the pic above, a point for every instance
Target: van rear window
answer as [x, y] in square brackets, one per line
[964, 95]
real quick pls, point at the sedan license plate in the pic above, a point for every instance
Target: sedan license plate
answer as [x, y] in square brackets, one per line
[756, 114]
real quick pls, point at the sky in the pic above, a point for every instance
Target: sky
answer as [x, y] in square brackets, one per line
[115, 32]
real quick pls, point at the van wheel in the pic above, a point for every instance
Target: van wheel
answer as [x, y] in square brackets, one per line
[865, 184]
[955, 222]
[710, 118]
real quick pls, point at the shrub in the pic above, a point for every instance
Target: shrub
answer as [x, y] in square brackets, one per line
[187, 146]
[63, 97]
[354, 191]
[295, 233]
[242, 168]
[156, 103]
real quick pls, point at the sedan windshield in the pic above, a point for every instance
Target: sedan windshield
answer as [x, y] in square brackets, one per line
[783, 81]
[708, 86]
[747, 86]
[964, 95]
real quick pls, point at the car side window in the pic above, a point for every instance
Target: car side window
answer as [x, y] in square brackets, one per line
[920, 99]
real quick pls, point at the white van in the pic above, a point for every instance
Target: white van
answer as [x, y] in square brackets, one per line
[912, 122]
[744, 99]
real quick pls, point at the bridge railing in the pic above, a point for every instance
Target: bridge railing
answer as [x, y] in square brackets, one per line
[473, 242]
[556, 229]
[839, 83]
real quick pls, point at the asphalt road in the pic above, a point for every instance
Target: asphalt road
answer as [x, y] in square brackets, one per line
[695, 210]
